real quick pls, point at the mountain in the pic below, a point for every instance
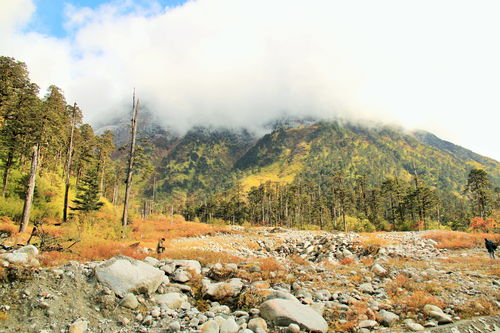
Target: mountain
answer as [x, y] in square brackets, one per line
[209, 160]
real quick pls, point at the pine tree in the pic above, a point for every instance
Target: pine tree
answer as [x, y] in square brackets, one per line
[88, 196]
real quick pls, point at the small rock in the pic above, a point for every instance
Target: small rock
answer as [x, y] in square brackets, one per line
[130, 301]
[257, 323]
[367, 324]
[174, 326]
[293, 328]
[79, 326]
[180, 275]
[210, 326]
[148, 320]
[229, 326]
[388, 318]
[378, 270]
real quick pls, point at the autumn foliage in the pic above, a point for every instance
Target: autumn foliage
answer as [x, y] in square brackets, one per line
[478, 224]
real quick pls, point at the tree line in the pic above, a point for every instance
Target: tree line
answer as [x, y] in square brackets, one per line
[343, 203]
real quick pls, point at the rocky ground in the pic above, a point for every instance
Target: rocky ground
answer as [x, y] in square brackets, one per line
[267, 280]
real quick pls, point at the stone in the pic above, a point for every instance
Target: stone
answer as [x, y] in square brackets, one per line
[366, 288]
[189, 265]
[229, 326]
[148, 320]
[378, 270]
[210, 326]
[152, 261]
[79, 326]
[180, 275]
[174, 326]
[256, 324]
[323, 295]
[222, 290]
[437, 314]
[293, 328]
[367, 324]
[415, 327]
[130, 301]
[123, 275]
[283, 312]
[388, 318]
[173, 300]
[168, 268]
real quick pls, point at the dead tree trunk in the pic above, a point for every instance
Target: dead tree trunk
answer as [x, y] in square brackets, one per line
[68, 166]
[128, 182]
[30, 190]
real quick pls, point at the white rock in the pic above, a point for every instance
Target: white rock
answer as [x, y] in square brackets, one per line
[377, 269]
[174, 326]
[222, 290]
[229, 326]
[152, 261]
[180, 275]
[283, 312]
[189, 265]
[293, 328]
[367, 324]
[172, 300]
[123, 275]
[210, 326]
[388, 318]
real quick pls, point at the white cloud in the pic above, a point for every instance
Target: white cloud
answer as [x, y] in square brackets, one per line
[423, 64]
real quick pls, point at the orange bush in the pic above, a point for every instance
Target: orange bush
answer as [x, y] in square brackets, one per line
[459, 240]
[478, 224]
[270, 265]
[203, 256]
[107, 249]
[416, 301]
[6, 224]
[56, 258]
[347, 261]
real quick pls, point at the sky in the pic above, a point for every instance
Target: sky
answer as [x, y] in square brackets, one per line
[420, 64]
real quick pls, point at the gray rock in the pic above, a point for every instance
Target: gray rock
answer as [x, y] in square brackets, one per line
[293, 328]
[437, 314]
[173, 300]
[229, 326]
[283, 312]
[388, 318]
[152, 261]
[123, 275]
[323, 295]
[130, 301]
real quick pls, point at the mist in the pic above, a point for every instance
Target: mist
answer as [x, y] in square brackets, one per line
[429, 65]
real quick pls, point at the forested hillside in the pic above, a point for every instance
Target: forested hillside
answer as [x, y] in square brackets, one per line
[304, 173]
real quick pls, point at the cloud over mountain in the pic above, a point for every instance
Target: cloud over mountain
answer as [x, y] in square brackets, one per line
[426, 64]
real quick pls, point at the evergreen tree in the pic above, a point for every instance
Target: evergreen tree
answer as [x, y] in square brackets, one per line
[479, 191]
[88, 196]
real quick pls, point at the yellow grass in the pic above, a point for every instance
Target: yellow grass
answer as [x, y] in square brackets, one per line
[460, 240]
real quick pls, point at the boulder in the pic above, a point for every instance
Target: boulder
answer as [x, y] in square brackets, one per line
[283, 312]
[220, 290]
[172, 300]
[123, 275]
[25, 256]
[189, 265]
[367, 324]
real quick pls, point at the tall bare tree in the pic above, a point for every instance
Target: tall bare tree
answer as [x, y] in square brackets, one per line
[68, 164]
[128, 182]
[30, 190]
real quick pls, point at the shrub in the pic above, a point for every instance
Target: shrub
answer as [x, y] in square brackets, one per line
[459, 240]
[416, 301]
[477, 307]
[478, 224]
